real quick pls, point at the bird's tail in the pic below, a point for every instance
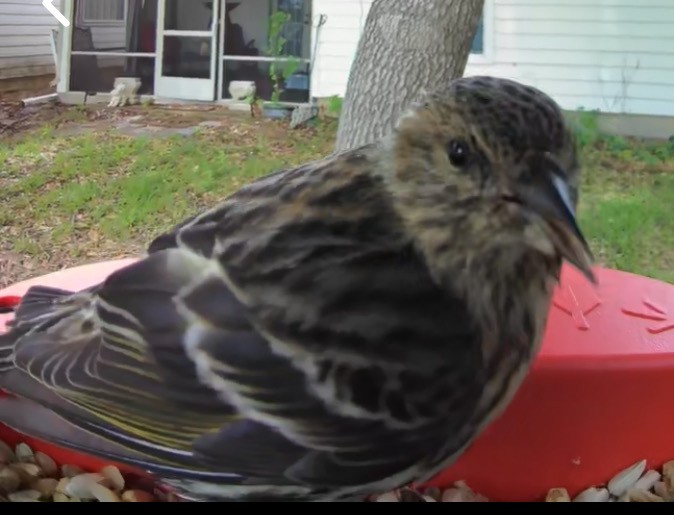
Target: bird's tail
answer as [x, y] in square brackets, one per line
[33, 409]
[27, 411]
[41, 305]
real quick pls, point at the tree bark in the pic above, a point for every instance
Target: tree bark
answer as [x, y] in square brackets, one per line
[407, 46]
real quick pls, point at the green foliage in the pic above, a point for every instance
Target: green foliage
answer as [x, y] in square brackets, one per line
[589, 137]
[289, 64]
[586, 125]
[333, 106]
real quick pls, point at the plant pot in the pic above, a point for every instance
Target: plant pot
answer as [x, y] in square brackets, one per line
[240, 89]
[276, 112]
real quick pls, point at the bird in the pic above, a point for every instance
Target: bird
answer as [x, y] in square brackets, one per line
[328, 331]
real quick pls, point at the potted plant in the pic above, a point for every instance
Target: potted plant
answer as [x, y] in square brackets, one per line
[280, 69]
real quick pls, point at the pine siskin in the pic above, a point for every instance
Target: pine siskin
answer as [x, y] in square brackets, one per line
[329, 331]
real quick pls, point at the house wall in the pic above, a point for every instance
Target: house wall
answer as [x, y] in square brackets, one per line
[613, 55]
[25, 48]
[336, 43]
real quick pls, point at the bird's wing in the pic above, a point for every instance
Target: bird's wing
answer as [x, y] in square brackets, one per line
[291, 334]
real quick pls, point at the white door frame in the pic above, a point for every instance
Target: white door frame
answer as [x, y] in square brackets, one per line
[186, 88]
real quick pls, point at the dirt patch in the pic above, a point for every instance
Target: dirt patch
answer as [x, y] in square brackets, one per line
[182, 116]
[15, 117]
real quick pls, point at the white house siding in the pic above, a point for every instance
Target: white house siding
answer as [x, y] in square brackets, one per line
[337, 43]
[25, 48]
[613, 55]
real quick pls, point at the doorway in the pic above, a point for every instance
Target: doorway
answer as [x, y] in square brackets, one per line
[187, 49]
[204, 45]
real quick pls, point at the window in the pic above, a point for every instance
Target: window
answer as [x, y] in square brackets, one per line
[103, 11]
[295, 30]
[477, 47]
[482, 46]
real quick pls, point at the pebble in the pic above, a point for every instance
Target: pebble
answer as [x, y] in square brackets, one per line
[33, 476]
[30, 476]
[632, 484]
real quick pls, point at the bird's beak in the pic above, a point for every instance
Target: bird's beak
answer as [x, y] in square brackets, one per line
[548, 195]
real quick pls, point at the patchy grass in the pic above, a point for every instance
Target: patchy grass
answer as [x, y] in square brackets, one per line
[69, 197]
[627, 207]
[627, 200]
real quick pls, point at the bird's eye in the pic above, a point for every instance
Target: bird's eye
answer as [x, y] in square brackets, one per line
[457, 152]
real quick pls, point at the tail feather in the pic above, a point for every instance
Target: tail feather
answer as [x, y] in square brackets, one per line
[40, 304]
[40, 292]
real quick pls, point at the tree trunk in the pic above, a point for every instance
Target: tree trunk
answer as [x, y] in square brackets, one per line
[407, 46]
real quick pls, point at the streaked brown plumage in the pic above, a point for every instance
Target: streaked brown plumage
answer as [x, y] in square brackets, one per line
[330, 331]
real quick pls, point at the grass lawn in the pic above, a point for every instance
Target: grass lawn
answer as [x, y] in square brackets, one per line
[70, 197]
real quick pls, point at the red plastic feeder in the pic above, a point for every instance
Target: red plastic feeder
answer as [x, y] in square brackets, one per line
[596, 400]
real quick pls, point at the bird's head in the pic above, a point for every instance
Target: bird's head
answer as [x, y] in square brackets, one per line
[487, 169]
